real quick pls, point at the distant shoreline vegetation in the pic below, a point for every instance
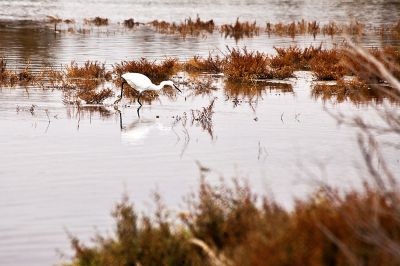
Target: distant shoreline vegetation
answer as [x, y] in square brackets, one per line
[237, 30]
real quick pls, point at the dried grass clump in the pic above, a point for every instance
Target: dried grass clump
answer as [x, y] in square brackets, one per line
[69, 21]
[194, 27]
[85, 90]
[240, 30]
[55, 20]
[290, 59]
[130, 23]
[188, 27]
[354, 28]
[314, 28]
[157, 72]
[331, 29]
[295, 57]
[210, 64]
[97, 21]
[26, 76]
[291, 29]
[90, 70]
[82, 82]
[163, 26]
[242, 65]
[327, 65]
[7, 77]
[391, 31]
[294, 28]
[395, 30]
[139, 241]
[230, 225]
[12, 78]
[368, 72]
[50, 76]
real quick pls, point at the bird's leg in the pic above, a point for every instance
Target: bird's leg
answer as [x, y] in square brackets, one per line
[117, 101]
[120, 119]
[138, 113]
[138, 99]
[122, 91]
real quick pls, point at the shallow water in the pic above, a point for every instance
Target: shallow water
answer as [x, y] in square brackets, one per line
[67, 174]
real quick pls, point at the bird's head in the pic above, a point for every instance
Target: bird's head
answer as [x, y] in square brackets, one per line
[170, 83]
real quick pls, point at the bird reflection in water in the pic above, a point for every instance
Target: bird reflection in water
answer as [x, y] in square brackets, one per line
[139, 129]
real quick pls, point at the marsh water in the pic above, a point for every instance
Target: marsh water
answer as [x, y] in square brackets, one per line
[62, 169]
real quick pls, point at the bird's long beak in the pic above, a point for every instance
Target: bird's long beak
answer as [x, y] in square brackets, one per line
[177, 88]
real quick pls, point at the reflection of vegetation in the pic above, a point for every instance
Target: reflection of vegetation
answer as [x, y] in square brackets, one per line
[200, 86]
[354, 91]
[80, 112]
[200, 118]
[255, 90]
[203, 117]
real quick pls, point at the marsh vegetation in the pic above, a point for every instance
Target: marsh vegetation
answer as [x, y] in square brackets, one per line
[228, 224]
[288, 105]
[86, 82]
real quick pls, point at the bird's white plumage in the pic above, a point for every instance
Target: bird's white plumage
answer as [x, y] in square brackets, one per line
[138, 81]
[141, 83]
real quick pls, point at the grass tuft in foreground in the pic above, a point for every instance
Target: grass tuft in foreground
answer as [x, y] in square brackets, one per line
[227, 224]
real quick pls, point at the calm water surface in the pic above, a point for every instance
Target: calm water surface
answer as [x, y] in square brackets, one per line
[66, 175]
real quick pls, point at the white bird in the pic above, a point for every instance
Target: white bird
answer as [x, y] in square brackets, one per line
[142, 83]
